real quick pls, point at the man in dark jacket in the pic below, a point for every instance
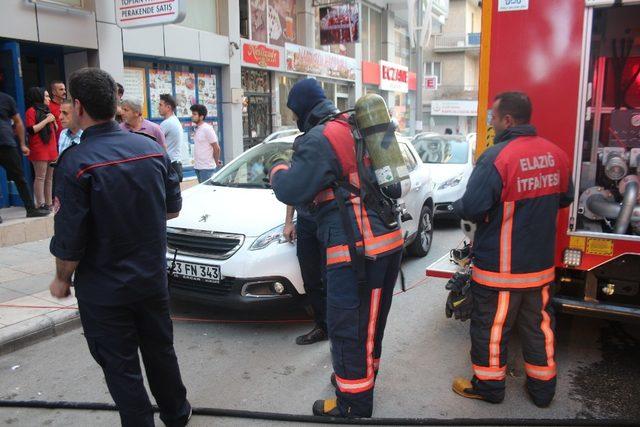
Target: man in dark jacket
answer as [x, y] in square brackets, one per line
[358, 299]
[513, 195]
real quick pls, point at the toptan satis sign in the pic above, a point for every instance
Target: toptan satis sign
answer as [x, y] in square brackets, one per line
[145, 13]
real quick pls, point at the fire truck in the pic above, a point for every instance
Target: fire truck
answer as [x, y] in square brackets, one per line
[579, 62]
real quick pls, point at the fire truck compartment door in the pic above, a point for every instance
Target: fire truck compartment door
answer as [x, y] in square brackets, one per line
[605, 3]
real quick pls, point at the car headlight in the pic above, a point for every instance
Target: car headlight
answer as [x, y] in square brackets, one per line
[273, 235]
[452, 182]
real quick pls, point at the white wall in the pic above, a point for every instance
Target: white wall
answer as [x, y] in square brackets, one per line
[18, 20]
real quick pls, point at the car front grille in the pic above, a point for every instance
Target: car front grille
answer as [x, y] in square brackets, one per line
[218, 289]
[204, 243]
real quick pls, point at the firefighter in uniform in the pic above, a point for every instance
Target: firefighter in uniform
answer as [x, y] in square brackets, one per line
[513, 195]
[358, 300]
[113, 195]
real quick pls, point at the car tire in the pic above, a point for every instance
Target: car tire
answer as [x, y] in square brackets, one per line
[424, 238]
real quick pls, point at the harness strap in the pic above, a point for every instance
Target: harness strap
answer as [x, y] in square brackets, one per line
[357, 252]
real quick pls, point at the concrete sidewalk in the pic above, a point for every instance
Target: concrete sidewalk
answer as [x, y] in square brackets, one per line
[28, 312]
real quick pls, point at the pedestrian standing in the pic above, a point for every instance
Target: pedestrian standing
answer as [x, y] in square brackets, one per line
[310, 254]
[120, 94]
[206, 150]
[114, 193]
[10, 159]
[71, 134]
[58, 93]
[133, 121]
[359, 289]
[43, 145]
[172, 129]
[514, 252]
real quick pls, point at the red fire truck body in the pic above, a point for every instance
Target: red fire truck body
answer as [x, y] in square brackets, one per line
[579, 62]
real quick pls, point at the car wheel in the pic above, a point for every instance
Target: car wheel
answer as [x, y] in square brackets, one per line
[422, 243]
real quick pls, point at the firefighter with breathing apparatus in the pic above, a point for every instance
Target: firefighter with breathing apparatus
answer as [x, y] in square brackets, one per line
[349, 169]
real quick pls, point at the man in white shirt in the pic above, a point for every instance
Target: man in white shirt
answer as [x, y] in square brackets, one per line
[206, 150]
[172, 129]
[70, 134]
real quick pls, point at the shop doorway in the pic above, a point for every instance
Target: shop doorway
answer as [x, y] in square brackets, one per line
[11, 83]
[256, 107]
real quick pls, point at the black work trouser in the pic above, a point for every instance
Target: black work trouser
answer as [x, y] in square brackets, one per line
[114, 335]
[12, 163]
[311, 256]
[177, 166]
[357, 316]
[494, 315]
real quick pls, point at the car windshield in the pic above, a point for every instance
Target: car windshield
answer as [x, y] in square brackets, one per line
[248, 170]
[437, 149]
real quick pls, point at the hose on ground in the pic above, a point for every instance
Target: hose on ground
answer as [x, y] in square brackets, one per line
[294, 418]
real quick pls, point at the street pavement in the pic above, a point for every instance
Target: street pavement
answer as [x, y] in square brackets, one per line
[229, 362]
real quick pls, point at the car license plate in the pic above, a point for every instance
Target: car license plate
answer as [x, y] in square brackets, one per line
[202, 272]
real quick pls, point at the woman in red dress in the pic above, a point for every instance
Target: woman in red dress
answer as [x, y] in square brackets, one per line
[41, 126]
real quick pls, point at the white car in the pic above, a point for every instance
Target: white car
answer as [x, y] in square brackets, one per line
[227, 247]
[450, 159]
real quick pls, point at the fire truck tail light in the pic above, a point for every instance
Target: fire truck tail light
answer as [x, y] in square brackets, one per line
[572, 257]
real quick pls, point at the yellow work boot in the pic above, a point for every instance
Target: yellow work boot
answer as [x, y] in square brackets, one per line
[326, 408]
[464, 388]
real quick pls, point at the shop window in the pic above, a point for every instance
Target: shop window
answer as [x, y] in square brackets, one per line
[244, 19]
[402, 46]
[364, 36]
[371, 37]
[433, 68]
[201, 15]
[287, 118]
[375, 29]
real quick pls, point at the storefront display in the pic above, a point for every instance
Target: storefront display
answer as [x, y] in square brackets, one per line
[134, 83]
[207, 93]
[188, 84]
[160, 81]
[185, 93]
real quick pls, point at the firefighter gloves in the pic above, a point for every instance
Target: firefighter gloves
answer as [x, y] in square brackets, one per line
[280, 157]
[460, 301]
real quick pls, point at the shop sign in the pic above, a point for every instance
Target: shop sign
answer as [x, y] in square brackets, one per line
[144, 13]
[510, 5]
[315, 62]
[394, 77]
[261, 55]
[431, 82]
[454, 108]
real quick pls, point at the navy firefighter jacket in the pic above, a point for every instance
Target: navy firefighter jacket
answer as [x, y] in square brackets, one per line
[112, 194]
[513, 195]
[322, 155]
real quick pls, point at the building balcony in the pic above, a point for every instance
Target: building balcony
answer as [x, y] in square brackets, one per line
[444, 92]
[469, 42]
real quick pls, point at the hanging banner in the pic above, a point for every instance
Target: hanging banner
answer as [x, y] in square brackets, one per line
[394, 77]
[339, 24]
[145, 13]
[314, 62]
[281, 19]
